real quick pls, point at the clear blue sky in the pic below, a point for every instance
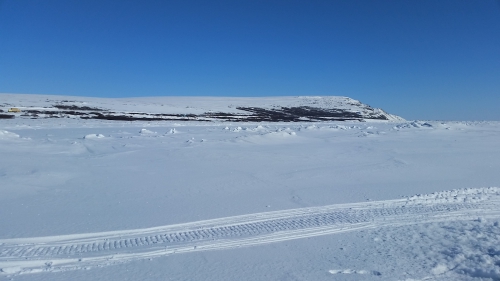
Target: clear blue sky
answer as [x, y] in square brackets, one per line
[421, 59]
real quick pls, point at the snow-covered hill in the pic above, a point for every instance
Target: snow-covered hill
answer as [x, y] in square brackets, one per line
[269, 109]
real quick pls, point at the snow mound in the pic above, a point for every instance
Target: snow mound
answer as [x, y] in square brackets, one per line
[11, 270]
[8, 135]
[277, 137]
[93, 136]
[456, 195]
[259, 128]
[146, 132]
[369, 134]
[344, 127]
[412, 125]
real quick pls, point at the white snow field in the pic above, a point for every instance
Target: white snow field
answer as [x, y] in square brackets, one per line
[87, 199]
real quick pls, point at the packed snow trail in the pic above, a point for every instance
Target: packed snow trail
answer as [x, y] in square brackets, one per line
[67, 252]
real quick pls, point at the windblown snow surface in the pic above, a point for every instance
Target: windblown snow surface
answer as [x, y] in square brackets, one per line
[115, 200]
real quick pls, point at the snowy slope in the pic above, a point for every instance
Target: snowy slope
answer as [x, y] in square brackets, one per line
[295, 109]
[86, 199]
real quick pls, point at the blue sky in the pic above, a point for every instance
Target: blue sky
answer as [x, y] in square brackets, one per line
[421, 59]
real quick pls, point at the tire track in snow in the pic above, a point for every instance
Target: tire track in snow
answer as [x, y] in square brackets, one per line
[68, 252]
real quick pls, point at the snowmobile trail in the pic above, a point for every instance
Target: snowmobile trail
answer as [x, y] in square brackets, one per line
[77, 251]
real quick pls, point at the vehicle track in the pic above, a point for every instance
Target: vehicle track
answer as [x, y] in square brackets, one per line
[67, 252]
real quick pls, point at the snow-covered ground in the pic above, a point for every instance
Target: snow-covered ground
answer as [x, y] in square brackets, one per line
[114, 200]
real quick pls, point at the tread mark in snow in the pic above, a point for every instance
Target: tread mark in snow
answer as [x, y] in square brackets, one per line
[96, 249]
